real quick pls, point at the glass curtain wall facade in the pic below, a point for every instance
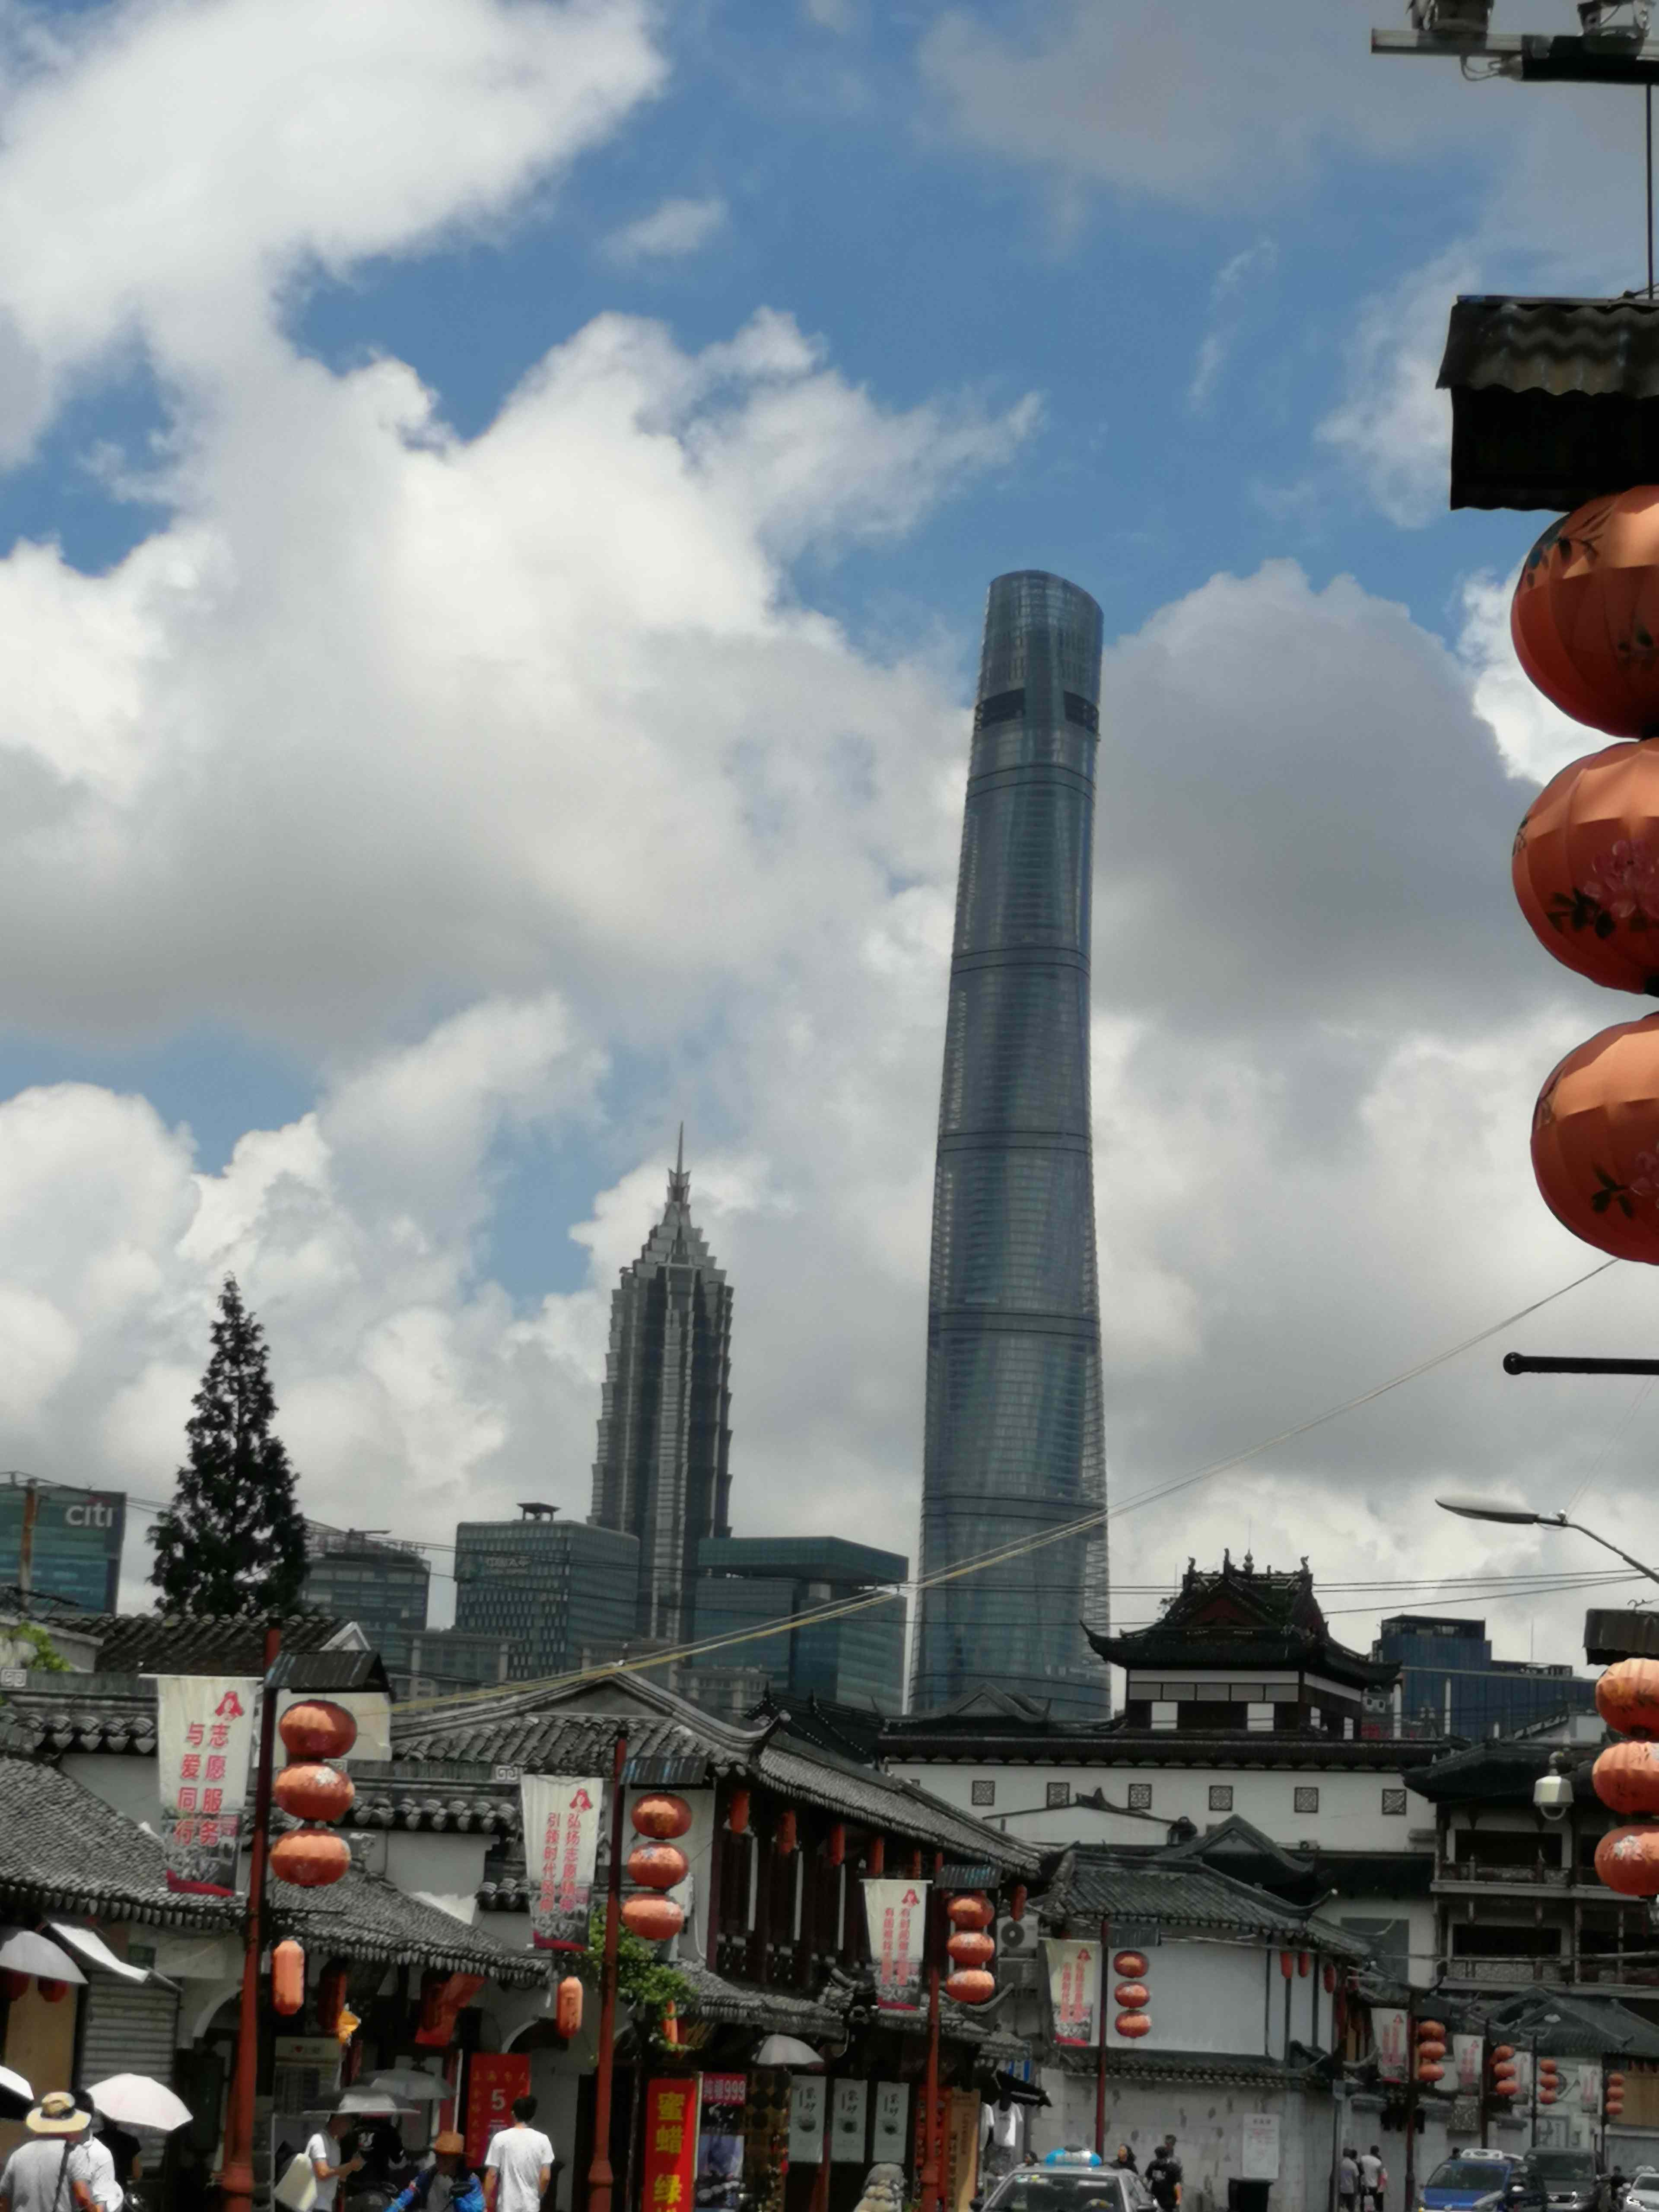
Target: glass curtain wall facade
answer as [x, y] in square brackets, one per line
[1014, 1440]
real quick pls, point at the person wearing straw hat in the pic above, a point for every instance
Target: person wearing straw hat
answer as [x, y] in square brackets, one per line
[49, 2173]
[447, 2184]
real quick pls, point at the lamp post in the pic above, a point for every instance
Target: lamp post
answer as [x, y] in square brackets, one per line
[1522, 1516]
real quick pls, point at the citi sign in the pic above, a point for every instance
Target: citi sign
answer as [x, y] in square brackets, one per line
[95, 1514]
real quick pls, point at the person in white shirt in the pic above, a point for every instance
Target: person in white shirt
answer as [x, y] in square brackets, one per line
[519, 2164]
[107, 2193]
[1373, 2179]
[323, 2151]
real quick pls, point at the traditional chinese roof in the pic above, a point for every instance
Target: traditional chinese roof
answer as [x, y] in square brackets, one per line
[1090, 1882]
[61, 1849]
[1570, 2026]
[166, 1644]
[1196, 2069]
[780, 2012]
[1498, 1771]
[362, 1916]
[1240, 1616]
[913, 1740]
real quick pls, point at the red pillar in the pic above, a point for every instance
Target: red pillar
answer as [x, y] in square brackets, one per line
[929, 2179]
[236, 2173]
[600, 2179]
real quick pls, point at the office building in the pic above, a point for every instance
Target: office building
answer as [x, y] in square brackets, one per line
[857, 1658]
[1014, 1445]
[662, 1475]
[433, 1662]
[60, 1543]
[563, 1592]
[1451, 1684]
[380, 1583]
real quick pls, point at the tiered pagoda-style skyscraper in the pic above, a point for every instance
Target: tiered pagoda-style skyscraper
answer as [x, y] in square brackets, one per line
[1014, 1441]
[662, 1473]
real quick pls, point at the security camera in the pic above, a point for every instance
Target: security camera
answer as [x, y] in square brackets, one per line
[1553, 1795]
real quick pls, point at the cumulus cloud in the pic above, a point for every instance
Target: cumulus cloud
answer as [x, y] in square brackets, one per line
[1392, 426]
[672, 229]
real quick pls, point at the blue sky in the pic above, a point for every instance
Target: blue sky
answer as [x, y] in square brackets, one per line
[492, 534]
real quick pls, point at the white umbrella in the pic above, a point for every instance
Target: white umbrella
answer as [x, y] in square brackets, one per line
[363, 2101]
[15, 2083]
[411, 2086]
[26, 1952]
[787, 2051]
[136, 2102]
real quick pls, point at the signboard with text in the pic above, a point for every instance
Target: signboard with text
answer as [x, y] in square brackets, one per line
[897, 1916]
[204, 1740]
[561, 1837]
[719, 2141]
[1073, 1989]
[62, 1542]
[494, 2079]
[669, 2169]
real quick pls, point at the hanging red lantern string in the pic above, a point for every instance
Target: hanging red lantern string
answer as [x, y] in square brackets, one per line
[1627, 1697]
[662, 1816]
[657, 1866]
[1595, 1140]
[1585, 614]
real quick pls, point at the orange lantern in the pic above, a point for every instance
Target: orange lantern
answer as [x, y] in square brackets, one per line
[1328, 1975]
[288, 1977]
[970, 1985]
[1595, 1140]
[662, 1815]
[970, 1909]
[1616, 2082]
[316, 1729]
[653, 1919]
[1509, 2086]
[1586, 865]
[971, 1948]
[1133, 2024]
[1431, 2049]
[568, 2012]
[1131, 1965]
[1503, 2054]
[657, 1866]
[1627, 1860]
[1627, 1697]
[310, 1858]
[1430, 2071]
[314, 1793]
[14, 1982]
[1288, 1964]
[1431, 2030]
[1303, 1964]
[1016, 1902]
[1131, 1996]
[736, 1813]
[1585, 616]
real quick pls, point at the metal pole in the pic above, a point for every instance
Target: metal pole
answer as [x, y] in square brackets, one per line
[1412, 2092]
[236, 2173]
[929, 2177]
[600, 2179]
[1648, 91]
[1532, 2132]
[1100, 2051]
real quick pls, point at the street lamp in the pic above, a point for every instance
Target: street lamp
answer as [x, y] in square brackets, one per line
[1497, 1509]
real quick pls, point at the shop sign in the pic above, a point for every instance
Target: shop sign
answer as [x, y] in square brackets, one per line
[561, 1835]
[494, 2079]
[898, 1915]
[1259, 2147]
[1073, 1989]
[848, 2104]
[203, 1739]
[807, 2119]
[719, 2141]
[891, 2123]
[668, 2181]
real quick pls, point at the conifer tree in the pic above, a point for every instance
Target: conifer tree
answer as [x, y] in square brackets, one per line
[233, 1540]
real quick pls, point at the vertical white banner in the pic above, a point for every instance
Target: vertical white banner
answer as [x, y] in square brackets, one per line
[889, 2137]
[1466, 2063]
[561, 1836]
[898, 1915]
[848, 2107]
[1389, 2034]
[1589, 2088]
[806, 2102]
[203, 1742]
[1075, 1993]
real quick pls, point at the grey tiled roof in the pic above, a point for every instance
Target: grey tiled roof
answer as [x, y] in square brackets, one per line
[782, 2012]
[62, 1849]
[361, 1917]
[1090, 1884]
[1131, 2066]
[157, 1643]
[56, 1713]
[1602, 347]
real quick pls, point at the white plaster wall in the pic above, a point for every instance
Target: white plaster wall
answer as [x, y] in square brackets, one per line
[122, 1779]
[1207, 2122]
[444, 1866]
[1417, 1910]
[1209, 1996]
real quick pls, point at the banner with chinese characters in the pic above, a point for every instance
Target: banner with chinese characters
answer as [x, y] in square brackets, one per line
[670, 2165]
[890, 2135]
[1466, 2063]
[848, 2104]
[1589, 2088]
[898, 1915]
[1389, 2034]
[494, 2079]
[806, 2103]
[204, 1740]
[561, 1836]
[719, 2141]
[1073, 1989]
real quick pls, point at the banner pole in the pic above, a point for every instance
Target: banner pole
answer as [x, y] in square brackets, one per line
[236, 2173]
[1100, 2047]
[600, 2178]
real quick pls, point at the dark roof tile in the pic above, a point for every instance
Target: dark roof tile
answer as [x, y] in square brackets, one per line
[62, 1849]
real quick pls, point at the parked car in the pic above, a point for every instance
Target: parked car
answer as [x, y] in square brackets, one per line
[1069, 2189]
[1642, 2191]
[1484, 2181]
[1574, 2181]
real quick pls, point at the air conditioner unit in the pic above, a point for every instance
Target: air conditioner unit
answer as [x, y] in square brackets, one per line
[1017, 1950]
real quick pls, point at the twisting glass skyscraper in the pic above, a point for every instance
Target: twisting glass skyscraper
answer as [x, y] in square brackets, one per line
[1014, 1440]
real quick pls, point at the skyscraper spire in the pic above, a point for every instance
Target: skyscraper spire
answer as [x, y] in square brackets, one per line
[679, 1184]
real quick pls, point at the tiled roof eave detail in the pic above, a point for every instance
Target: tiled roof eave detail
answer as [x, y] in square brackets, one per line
[1172, 1748]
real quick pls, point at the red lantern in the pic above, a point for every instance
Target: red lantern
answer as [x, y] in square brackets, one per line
[736, 1813]
[1627, 1697]
[316, 1729]
[1507, 2087]
[1546, 2096]
[567, 2016]
[970, 1985]
[653, 1919]
[1585, 616]
[1133, 2024]
[52, 1991]
[1131, 1965]
[1431, 2049]
[970, 1909]
[1303, 1964]
[1328, 1975]
[1595, 1140]
[1286, 1964]
[1586, 867]
[1431, 2030]
[835, 1849]
[1627, 1860]
[314, 1793]
[971, 1948]
[662, 1815]
[657, 1866]
[1616, 2081]
[288, 1977]
[1548, 2071]
[1131, 1996]
[332, 1996]
[786, 1834]
[14, 1982]
[1016, 1902]
[310, 1858]
[1502, 2053]
[1430, 2071]
[876, 1857]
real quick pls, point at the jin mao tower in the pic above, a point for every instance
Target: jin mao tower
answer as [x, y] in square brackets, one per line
[1014, 1443]
[662, 1473]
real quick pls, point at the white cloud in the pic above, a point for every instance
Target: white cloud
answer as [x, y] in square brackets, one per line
[1392, 426]
[1535, 738]
[1229, 307]
[673, 229]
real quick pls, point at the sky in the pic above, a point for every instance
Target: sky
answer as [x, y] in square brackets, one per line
[496, 498]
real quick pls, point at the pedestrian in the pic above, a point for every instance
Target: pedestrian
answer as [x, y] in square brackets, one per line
[1126, 2159]
[519, 2164]
[49, 2174]
[447, 2182]
[1373, 2179]
[104, 2183]
[1163, 2176]
[331, 2157]
[1348, 2181]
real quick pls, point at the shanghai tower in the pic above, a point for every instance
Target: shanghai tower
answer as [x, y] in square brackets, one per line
[1014, 1442]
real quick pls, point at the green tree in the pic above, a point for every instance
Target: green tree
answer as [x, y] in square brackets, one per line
[233, 1540]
